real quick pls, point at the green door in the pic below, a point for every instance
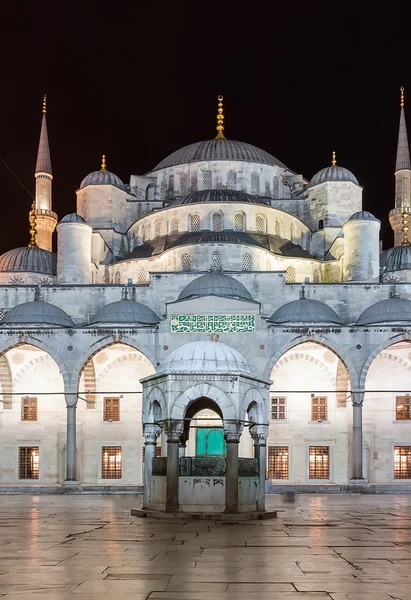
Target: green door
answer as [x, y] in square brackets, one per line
[210, 442]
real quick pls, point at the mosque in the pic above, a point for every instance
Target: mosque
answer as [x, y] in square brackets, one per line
[220, 314]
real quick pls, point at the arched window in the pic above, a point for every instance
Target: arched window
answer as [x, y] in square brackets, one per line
[290, 275]
[316, 276]
[276, 188]
[207, 179]
[255, 183]
[186, 262]
[277, 227]
[217, 221]
[247, 262]
[292, 232]
[184, 184]
[163, 189]
[142, 276]
[174, 226]
[239, 221]
[268, 265]
[117, 277]
[286, 190]
[195, 223]
[231, 180]
[150, 191]
[157, 229]
[260, 224]
[216, 261]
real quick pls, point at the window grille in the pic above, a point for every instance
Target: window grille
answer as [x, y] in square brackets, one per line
[247, 262]
[111, 410]
[290, 275]
[111, 462]
[319, 462]
[163, 189]
[278, 408]
[276, 188]
[195, 223]
[260, 224]
[319, 408]
[174, 226]
[186, 262]
[29, 462]
[278, 462]
[142, 276]
[239, 221]
[403, 408]
[216, 261]
[277, 227]
[231, 180]
[171, 184]
[157, 229]
[255, 183]
[207, 179]
[316, 276]
[184, 184]
[29, 411]
[292, 232]
[117, 277]
[402, 462]
[217, 221]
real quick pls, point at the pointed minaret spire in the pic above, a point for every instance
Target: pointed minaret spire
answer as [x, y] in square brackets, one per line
[43, 164]
[220, 120]
[403, 152]
[334, 159]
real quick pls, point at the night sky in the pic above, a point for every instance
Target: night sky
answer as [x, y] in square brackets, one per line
[137, 81]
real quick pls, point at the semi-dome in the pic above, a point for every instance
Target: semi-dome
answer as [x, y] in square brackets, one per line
[103, 177]
[392, 310]
[305, 310]
[333, 173]
[204, 356]
[29, 259]
[218, 196]
[37, 312]
[218, 149]
[125, 311]
[72, 218]
[396, 259]
[215, 284]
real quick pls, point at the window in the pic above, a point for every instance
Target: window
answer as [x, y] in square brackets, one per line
[255, 183]
[142, 276]
[163, 189]
[150, 191]
[195, 223]
[292, 232]
[402, 462]
[403, 408]
[231, 180]
[29, 409]
[239, 221]
[277, 227]
[174, 226]
[319, 462]
[171, 184]
[316, 276]
[111, 462]
[117, 278]
[247, 262]
[216, 262]
[260, 224]
[276, 188]
[111, 410]
[278, 462]
[217, 221]
[278, 408]
[319, 408]
[186, 262]
[184, 184]
[207, 179]
[157, 229]
[28, 462]
[290, 275]
[321, 224]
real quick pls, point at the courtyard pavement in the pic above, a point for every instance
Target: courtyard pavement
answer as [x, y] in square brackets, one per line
[320, 547]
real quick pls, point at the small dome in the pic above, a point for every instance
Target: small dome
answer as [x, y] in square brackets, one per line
[37, 313]
[363, 215]
[218, 149]
[392, 310]
[215, 284]
[305, 310]
[103, 177]
[218, 196]
[205, 357]
[125, 311]
[29, 259]
[396, 259]
[333, 173]
[72, 218]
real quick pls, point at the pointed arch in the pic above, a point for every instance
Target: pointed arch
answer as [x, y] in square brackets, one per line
[373, 355]
[6, 382]
[203, 390]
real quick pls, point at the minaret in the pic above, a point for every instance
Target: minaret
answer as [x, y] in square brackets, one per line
[46, 219]
[402, 178]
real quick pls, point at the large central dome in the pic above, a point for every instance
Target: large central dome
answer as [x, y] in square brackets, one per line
[218, 149]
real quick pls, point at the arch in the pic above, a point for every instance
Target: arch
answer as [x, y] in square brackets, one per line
[261, 224]
[194, 220]
[150, 192]
[239, 221]
[155, 395]
[20, 373]
[6, 382]
[203, 390]
[132, 356]
[373, 355]
[90, 384]
[217, 221]
[255, 399]
[308, 357]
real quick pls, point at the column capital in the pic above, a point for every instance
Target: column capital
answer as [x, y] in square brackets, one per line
[151, 433]
[71, 400]
[357, 397]
[232, 437]
[259, 433]
[174, 429]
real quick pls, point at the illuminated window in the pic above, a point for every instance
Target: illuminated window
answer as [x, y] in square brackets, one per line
[278, 462]
[319, 462]
[111, 462]
[247, 262]
[260, 224]
[217, 221]
[117, 278]
[216, 261]
[186, 262]
[277, 227]
[231, 180]
[316, 276]
[111, 410]
[402, 462]
[28, 462]
[290, 275]
[195, 223]
[255, 183]
[403, 408]
[207, 179]
[184, 184]
[278, 408]
[239, 221]
[174, 226]
[29, 409]
[319, 408]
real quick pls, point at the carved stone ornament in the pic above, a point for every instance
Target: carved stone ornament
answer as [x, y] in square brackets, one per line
[174, 429]
[357, 398]
[151, 433]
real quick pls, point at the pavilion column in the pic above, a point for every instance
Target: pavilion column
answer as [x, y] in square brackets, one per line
[71, 462]
[174, 430]
[259, 433]
[357, 466]
[231, 476]
[151, 433]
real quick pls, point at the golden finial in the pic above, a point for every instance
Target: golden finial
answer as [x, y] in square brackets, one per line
[44, 104]
[103, 162]
[334, 160]
[405, 228]
[220, 120]
[32, 221]
[402, 96]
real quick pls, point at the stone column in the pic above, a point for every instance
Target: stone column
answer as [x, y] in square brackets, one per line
[259, 433]
[151, 433]
[174, 429]
[71, 473]
[231, 476]
[357, 467]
